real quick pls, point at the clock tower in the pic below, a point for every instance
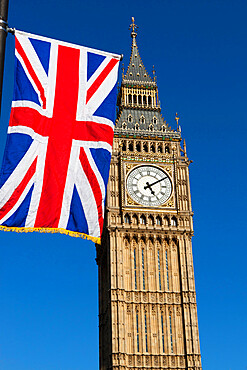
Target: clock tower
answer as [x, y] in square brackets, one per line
[147, 298]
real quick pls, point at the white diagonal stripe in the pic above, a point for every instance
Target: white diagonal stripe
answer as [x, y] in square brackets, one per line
[20, 200]
[102, 92]
[18, 174]
[103, 121]
[88, 201]
[97, 174]
[98, 71]
[29, 76]
[38, 183]
[34, 59]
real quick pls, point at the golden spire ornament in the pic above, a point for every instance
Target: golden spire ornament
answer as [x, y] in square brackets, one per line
[133, 25]
[177, 119]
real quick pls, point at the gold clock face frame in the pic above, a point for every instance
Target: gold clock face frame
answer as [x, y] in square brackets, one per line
[149, 185]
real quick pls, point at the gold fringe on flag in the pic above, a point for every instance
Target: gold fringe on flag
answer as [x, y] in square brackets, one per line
[51, 231]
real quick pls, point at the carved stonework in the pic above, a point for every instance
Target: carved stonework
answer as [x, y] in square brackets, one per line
[130, 360]
[156, 360]
[173, 361]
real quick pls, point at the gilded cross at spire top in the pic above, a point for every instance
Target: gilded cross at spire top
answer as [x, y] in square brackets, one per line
[134, 27]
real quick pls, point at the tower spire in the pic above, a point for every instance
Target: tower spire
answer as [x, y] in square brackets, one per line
[136, 71]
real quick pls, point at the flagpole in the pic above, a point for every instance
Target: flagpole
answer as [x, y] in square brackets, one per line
[4, 5]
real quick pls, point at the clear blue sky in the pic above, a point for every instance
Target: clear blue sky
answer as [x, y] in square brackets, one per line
[48, 283]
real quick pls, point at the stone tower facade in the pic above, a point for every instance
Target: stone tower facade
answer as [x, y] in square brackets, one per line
[147, 298]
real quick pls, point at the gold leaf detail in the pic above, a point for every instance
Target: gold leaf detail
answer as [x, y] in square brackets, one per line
[131, 201]
[168, 169]
[170, 203]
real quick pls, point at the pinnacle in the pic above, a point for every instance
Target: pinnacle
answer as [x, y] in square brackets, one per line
[136, 72]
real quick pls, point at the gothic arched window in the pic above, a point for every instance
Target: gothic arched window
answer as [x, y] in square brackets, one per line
[174, 221]
[135, 220]
[149, 100]
[142, 119]
[159, 269]
[137, 333]
[143, 220]
[143, 270]
[131, 148]
[158, 220]
[162, 331]
[139, 99]
[130, 118]
[127, 219]
[151, 220]
[154, 120]
[166, 221]
[135, 272]
[138, 147]
[170, 321]
[167, 271]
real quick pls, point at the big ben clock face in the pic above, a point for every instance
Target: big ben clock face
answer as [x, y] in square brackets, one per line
[149, 185]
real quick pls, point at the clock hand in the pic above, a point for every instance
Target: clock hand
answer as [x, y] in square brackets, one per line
[156, 182]
[149, 187]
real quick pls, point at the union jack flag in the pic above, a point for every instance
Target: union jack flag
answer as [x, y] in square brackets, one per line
[57, 157]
